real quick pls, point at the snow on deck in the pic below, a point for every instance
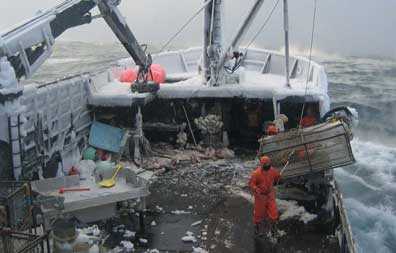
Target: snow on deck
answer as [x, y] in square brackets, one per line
[103, 92]
[252, 85]
[261, 76]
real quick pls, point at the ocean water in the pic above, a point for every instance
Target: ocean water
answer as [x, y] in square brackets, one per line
[367, 84]
[369, 186]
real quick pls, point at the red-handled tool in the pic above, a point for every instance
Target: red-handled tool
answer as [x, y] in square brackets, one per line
[63, 190]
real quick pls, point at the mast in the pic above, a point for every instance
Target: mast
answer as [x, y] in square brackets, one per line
[206, 42]
[286, 29]
[213, 40]
[217, 76]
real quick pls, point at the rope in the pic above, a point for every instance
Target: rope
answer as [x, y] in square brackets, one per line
[310, 62]
[184, 26]
[306, 90]
[189, 125]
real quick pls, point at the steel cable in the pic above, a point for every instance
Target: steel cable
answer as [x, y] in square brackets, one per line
[310, 61]
[170, 40]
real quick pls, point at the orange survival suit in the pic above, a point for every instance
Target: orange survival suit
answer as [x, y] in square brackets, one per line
[261, 183]
[308, 121]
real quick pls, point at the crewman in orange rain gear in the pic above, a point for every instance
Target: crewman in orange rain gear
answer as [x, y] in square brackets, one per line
[309, 119]
[271, 129]
[262, 183]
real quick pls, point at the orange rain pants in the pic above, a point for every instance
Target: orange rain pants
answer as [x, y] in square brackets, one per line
[262, 185]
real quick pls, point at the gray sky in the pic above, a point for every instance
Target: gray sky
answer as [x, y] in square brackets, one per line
[345, 27]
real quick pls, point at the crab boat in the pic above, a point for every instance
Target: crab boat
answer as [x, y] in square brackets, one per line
[211, 95]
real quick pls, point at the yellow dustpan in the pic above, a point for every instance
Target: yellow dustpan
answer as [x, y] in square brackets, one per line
[107, 183]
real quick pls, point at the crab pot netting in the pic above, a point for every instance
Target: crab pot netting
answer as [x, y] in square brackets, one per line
[15, 205]
[310, 150]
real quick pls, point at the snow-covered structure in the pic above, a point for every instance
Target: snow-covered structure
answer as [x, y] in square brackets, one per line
[44, 127]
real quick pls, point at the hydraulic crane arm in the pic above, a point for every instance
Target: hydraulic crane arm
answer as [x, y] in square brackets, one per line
[118, 24]
[30, 44]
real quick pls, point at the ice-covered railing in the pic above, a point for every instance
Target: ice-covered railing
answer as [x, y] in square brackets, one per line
[258, 60]
[273, 62]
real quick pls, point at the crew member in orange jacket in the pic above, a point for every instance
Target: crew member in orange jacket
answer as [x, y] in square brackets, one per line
[309, 119]
[262, 183]
[271, 129]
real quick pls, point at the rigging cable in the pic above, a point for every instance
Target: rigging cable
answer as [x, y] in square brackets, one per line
[263, 26]
[310, 61]
[184, 26]
[306, 83]
[243, 56]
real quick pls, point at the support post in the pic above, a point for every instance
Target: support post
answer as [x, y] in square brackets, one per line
[286, 30]
[137, 138]
[215, 40]
[141, 212]
[207, 35]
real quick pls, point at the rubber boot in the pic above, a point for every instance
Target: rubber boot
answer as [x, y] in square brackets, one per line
[273, 232]
[256, 229]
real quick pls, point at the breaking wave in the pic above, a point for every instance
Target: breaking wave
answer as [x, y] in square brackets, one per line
[374, 227]
[370, 190]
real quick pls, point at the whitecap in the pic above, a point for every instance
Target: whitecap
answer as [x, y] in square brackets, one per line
[373, 227]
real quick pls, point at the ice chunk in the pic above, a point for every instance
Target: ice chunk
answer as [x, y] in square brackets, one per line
[196, 223]
[177, 212]
[129, 234]
[199, 250]
[143, 240]
[290, 209]
[128, 246]
[189, 238]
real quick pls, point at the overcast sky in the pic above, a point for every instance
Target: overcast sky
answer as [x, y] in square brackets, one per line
[345, 27]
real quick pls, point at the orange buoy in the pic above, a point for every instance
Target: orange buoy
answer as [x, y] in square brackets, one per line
[157, 73]
[128, 76]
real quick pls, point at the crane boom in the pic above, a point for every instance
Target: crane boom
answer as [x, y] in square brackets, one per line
[117, 23]
[30, 44]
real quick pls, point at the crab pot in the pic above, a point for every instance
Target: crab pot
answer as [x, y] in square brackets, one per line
[22, 242]
[310, 150]
[15, 205]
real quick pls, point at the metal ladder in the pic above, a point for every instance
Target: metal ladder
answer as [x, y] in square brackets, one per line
[14, 131]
